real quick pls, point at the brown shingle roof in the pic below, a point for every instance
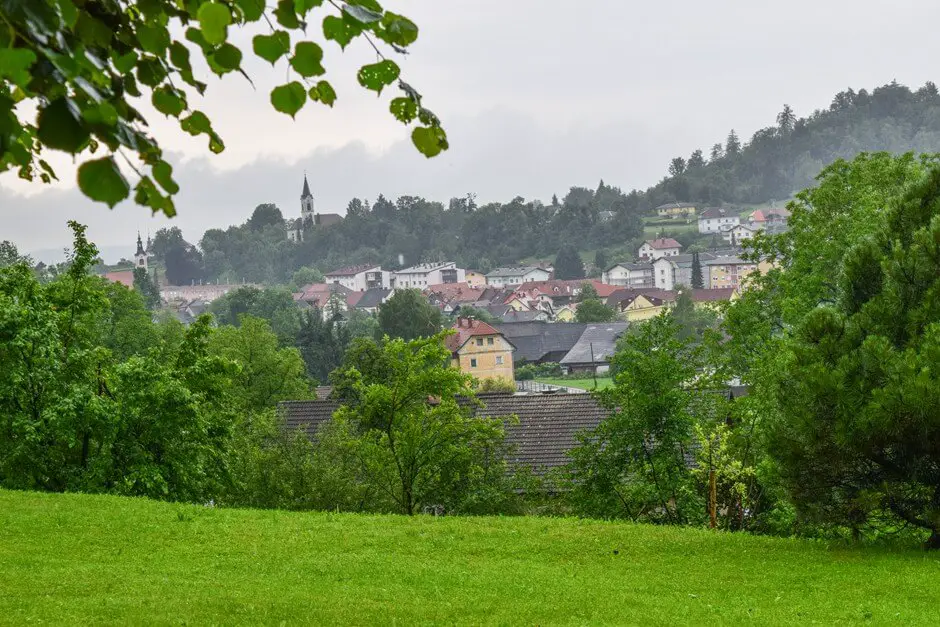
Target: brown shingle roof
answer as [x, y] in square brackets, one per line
[352, 270]
[467, 328]
[546, 430]
[663, 242]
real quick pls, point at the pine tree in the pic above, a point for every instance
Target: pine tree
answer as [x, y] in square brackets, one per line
[600, 260]
[697, 280]
[732, 144]
[568, 264]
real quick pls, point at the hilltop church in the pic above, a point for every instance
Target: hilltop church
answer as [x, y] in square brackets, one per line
[308, 217]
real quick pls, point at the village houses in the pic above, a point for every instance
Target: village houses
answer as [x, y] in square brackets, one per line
[360, 278]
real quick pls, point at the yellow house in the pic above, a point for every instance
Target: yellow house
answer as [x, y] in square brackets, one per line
[480, 350]
[565, 314]
[733, 272]
[475, 279]
[675, 210]
[642, 307]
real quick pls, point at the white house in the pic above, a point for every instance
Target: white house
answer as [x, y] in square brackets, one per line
[503, 277]
[714, 219]
[360, 278]
[629, 275]
[740, 232]
[424, 274]
[663, 247]
[664, 273]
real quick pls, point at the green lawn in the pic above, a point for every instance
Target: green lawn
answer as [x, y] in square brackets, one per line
[584, 384]
[72, 559]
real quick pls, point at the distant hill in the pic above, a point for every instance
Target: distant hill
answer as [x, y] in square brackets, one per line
[782, 159]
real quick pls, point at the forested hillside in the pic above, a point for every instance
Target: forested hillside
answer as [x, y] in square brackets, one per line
[775, 163]
[782, 159]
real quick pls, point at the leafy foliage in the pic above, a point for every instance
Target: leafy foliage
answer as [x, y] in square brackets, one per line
[408, 315]
[568, 264]
[84, 64]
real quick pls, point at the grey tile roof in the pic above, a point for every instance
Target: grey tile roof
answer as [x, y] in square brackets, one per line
[546, 430]
[372, 298]
[513, 271]
[537, 340]
[599, 340]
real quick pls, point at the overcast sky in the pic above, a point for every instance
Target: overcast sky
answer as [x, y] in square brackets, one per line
[536, 96]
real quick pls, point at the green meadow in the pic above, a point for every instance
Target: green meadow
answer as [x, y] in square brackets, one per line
[75, 559]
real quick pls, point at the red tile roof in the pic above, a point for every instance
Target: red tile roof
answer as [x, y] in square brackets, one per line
[721, 293]
[663, 242]
[456, 292]
[467, 328]
[125, 277]
[353, 298]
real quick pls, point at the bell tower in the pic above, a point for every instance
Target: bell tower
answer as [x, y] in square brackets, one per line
[140, 257]
[306, 204]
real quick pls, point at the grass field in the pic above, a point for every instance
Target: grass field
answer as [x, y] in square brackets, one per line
[584, 384]
[72, 559]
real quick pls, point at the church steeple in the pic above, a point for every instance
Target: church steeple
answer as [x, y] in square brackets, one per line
[306, 203]
[140, 257]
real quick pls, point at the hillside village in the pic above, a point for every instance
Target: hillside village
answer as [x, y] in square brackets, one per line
[526, 300]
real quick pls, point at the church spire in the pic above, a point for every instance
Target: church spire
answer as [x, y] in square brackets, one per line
[306, 193]
[140, 245]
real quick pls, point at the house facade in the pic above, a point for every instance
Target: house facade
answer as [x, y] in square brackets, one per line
[662, 247]
[738, 233]
[714, 219]
[422, 275]
[516, 275]
[629, 275]
[732, 272]
[480, 350]
[360, 278]
[675, 210]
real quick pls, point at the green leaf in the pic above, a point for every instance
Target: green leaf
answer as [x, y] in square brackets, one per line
[285, 14]
[68, 12]
[92, 31]
[429, 140]
[377, 75]
[341, 30]
[150, 72]
[251, 9]
[60, 126]
[226, 58]
[102, 113]
[398, 29]
[362, 14]
[271, 47]
[196, 123]
[214, 19]
[124, 63]
[302, 7]
[146, 194]
[289, 98]
[15, 64]
[404, 109]
[153, 39]
[168, 101]
[195, 35]
[100, 180]
[163, 173]
[179, 56]
[323, 92]
[306, 59]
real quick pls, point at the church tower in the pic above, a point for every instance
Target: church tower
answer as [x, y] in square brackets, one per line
[306, 204]
[140, 257]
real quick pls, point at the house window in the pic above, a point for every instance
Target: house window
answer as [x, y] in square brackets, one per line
[499, 360]
[473, 363]
[489, 341]
[479, 341]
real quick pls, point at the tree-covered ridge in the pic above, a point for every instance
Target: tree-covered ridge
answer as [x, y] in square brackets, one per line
[781, 159]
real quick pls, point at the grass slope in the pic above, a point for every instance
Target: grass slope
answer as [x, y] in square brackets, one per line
[79, 559]
[583, 384]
